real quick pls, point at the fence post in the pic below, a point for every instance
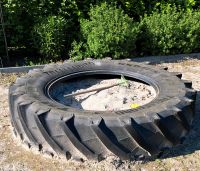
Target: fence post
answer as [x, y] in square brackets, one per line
[4, 33]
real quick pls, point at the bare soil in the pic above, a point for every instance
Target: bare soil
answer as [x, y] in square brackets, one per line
[181, 158]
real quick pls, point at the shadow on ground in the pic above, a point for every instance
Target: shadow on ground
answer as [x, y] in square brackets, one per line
[192, 141]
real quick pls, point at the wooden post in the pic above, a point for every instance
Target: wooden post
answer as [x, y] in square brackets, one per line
[4, 33]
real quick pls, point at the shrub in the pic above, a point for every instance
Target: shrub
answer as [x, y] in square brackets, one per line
[166, 31]
[108, 32]
[134, 8]
[183, 4]
[190, 32]
[50, 36]
[169, 32]
[18, 22]
[77, 53]
[138, 8]
[21, 16]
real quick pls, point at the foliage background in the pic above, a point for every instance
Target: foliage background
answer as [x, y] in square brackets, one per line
[40, 31]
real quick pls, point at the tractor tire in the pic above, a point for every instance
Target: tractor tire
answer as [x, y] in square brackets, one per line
[60, 130]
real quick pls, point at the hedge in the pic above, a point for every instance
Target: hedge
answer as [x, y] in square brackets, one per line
[144, 27]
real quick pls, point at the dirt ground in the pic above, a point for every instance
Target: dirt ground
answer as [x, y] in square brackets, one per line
[183, 157]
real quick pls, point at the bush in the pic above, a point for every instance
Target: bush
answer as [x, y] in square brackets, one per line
[138, 8]
[108, 32]
[21, 16]
[190, 27]
[134, 8]
[183, 4]
[50, 36]
[18, 22]
[170, 32]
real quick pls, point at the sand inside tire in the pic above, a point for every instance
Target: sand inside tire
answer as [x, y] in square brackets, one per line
[111, 99]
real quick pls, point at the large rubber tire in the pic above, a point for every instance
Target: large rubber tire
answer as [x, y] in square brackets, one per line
[79, 134]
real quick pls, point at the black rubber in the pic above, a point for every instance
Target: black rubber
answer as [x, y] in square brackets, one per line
[60, 130]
